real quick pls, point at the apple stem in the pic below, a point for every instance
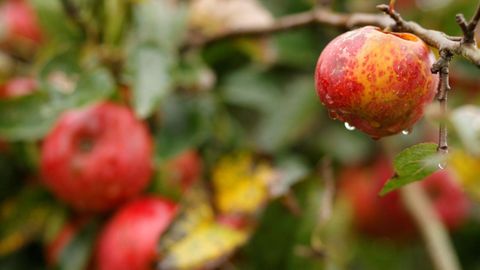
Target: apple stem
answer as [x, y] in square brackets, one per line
[441, 68]
[468, 29]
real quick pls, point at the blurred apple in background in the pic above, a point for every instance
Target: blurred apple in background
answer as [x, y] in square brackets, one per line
[97, 157]
[129, 240]
[17, 87]
[18, 23]
[386, 216]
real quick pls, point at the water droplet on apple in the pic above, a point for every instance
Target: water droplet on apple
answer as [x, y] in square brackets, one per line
[349, 127]
[442, 166]
[405, 132]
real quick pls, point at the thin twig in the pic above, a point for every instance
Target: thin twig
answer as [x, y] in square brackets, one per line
[324, 3]
[392, 20]
[73, 13]
[462, 22]
[468, 29]
[326, 209]
[328, 191]
[475, 19]
[441, 67]
[432, 229]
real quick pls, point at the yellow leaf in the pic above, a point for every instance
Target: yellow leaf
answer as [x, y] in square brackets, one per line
[206, 245]
[467, 168]
[241, 185]
[195, 211]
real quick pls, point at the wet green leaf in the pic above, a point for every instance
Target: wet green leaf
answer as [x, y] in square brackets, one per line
[412, 164]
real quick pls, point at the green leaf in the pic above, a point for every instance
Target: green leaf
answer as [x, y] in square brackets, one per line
[76, 255]
[251, 89]
[26, 118]
[63, 86]
[23, 218]
[412, 164]
[346, 147]
[7, 172]
[151, 69]
[290, 118]
[163, 23]
[115, 12]
[159, 28]
[291, 170]
[185, 124]
[55, 23]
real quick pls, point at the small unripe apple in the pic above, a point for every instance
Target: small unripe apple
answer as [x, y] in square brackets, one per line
[19, 22]
[376, 81]
[129, 240]
[98, 157]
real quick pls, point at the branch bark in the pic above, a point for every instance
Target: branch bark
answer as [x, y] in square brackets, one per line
[468, 29]
[392, 20]
[441, 67]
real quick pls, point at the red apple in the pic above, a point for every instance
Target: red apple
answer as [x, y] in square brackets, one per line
[448, 198]
[18, 87]
[19, 22]
[386, 216]
[377, 81]
[97, 157]
[129, 240]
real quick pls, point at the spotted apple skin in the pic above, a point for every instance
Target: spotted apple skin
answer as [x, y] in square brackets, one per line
[377, 81]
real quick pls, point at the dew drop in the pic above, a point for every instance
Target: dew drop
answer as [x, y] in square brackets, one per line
[349, 127]
[441, 166]
[405, 132]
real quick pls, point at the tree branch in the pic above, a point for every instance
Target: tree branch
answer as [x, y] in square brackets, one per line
[468, 29]
[74, 14]
[392, 20]
[441, 67]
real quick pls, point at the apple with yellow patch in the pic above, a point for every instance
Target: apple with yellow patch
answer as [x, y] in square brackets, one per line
[377, 81]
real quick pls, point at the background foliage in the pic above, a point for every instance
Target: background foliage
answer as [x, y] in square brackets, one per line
[250, 95]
